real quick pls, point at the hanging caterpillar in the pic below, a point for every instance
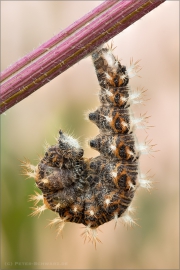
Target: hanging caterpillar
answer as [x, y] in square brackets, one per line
[93, 191]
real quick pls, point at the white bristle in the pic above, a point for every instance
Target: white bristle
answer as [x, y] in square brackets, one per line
[115, 219]
[146, 147]
[109, 58]
[107, 202]
[60, 222]
[145, 183]
[72, 141]
[114, 174]
[36, 198]
[38, 210]
[29, 169]
[46, 146]
[128, 220]
[91, 235]
[131, 209]
[108, 93]
[113, 147]
[108, 76]
[108, 119]
[137, 97]
[133, 69]
[140, 122]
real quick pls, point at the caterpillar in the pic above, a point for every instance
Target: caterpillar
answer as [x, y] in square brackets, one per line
[93, 191]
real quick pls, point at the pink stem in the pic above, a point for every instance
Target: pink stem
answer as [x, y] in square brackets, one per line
[103, 24]
[54, 40]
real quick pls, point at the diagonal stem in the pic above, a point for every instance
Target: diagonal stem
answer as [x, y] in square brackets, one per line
[55, 40]
[69, 46]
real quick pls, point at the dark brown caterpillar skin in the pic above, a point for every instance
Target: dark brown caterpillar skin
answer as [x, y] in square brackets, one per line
[96, 190]
[115, 96]
[118, 146]
[118, 76]
[113, 120]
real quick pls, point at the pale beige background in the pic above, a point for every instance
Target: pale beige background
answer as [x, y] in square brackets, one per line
[61, 104]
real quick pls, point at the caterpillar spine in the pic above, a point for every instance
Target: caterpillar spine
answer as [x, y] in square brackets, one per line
[93, 191]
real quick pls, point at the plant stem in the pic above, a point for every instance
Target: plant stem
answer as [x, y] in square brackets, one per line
[54, 40]
[68, 47]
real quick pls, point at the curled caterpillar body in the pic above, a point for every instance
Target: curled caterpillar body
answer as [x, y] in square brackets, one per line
[96, 190]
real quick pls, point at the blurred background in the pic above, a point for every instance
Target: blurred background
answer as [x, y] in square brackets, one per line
[26, 241]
